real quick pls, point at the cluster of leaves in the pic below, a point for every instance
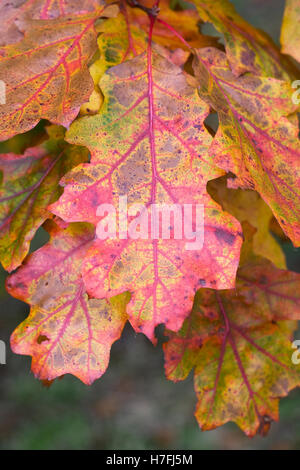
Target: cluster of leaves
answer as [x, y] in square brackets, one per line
[144, 79]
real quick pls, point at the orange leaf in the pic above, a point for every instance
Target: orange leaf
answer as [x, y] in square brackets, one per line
[46, 73]
[11, 30]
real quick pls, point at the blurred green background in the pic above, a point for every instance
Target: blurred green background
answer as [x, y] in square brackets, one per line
[132, 406]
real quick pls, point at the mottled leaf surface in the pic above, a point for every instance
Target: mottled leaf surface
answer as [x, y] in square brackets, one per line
[66, 332]
[46, 73]
[29, 183]
[149, 143]
[248, 49]
[13, 11]
[239, 348]
[126, 36]
[255, 140]
[149, 85]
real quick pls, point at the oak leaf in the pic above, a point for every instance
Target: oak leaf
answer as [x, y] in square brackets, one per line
[125, 36]
[149, 143]
[29, 183]
[186, 22]
[238, 341]
[46, 73]
[248, 49]
[11, 30]
[66, 332]
[256, 140]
